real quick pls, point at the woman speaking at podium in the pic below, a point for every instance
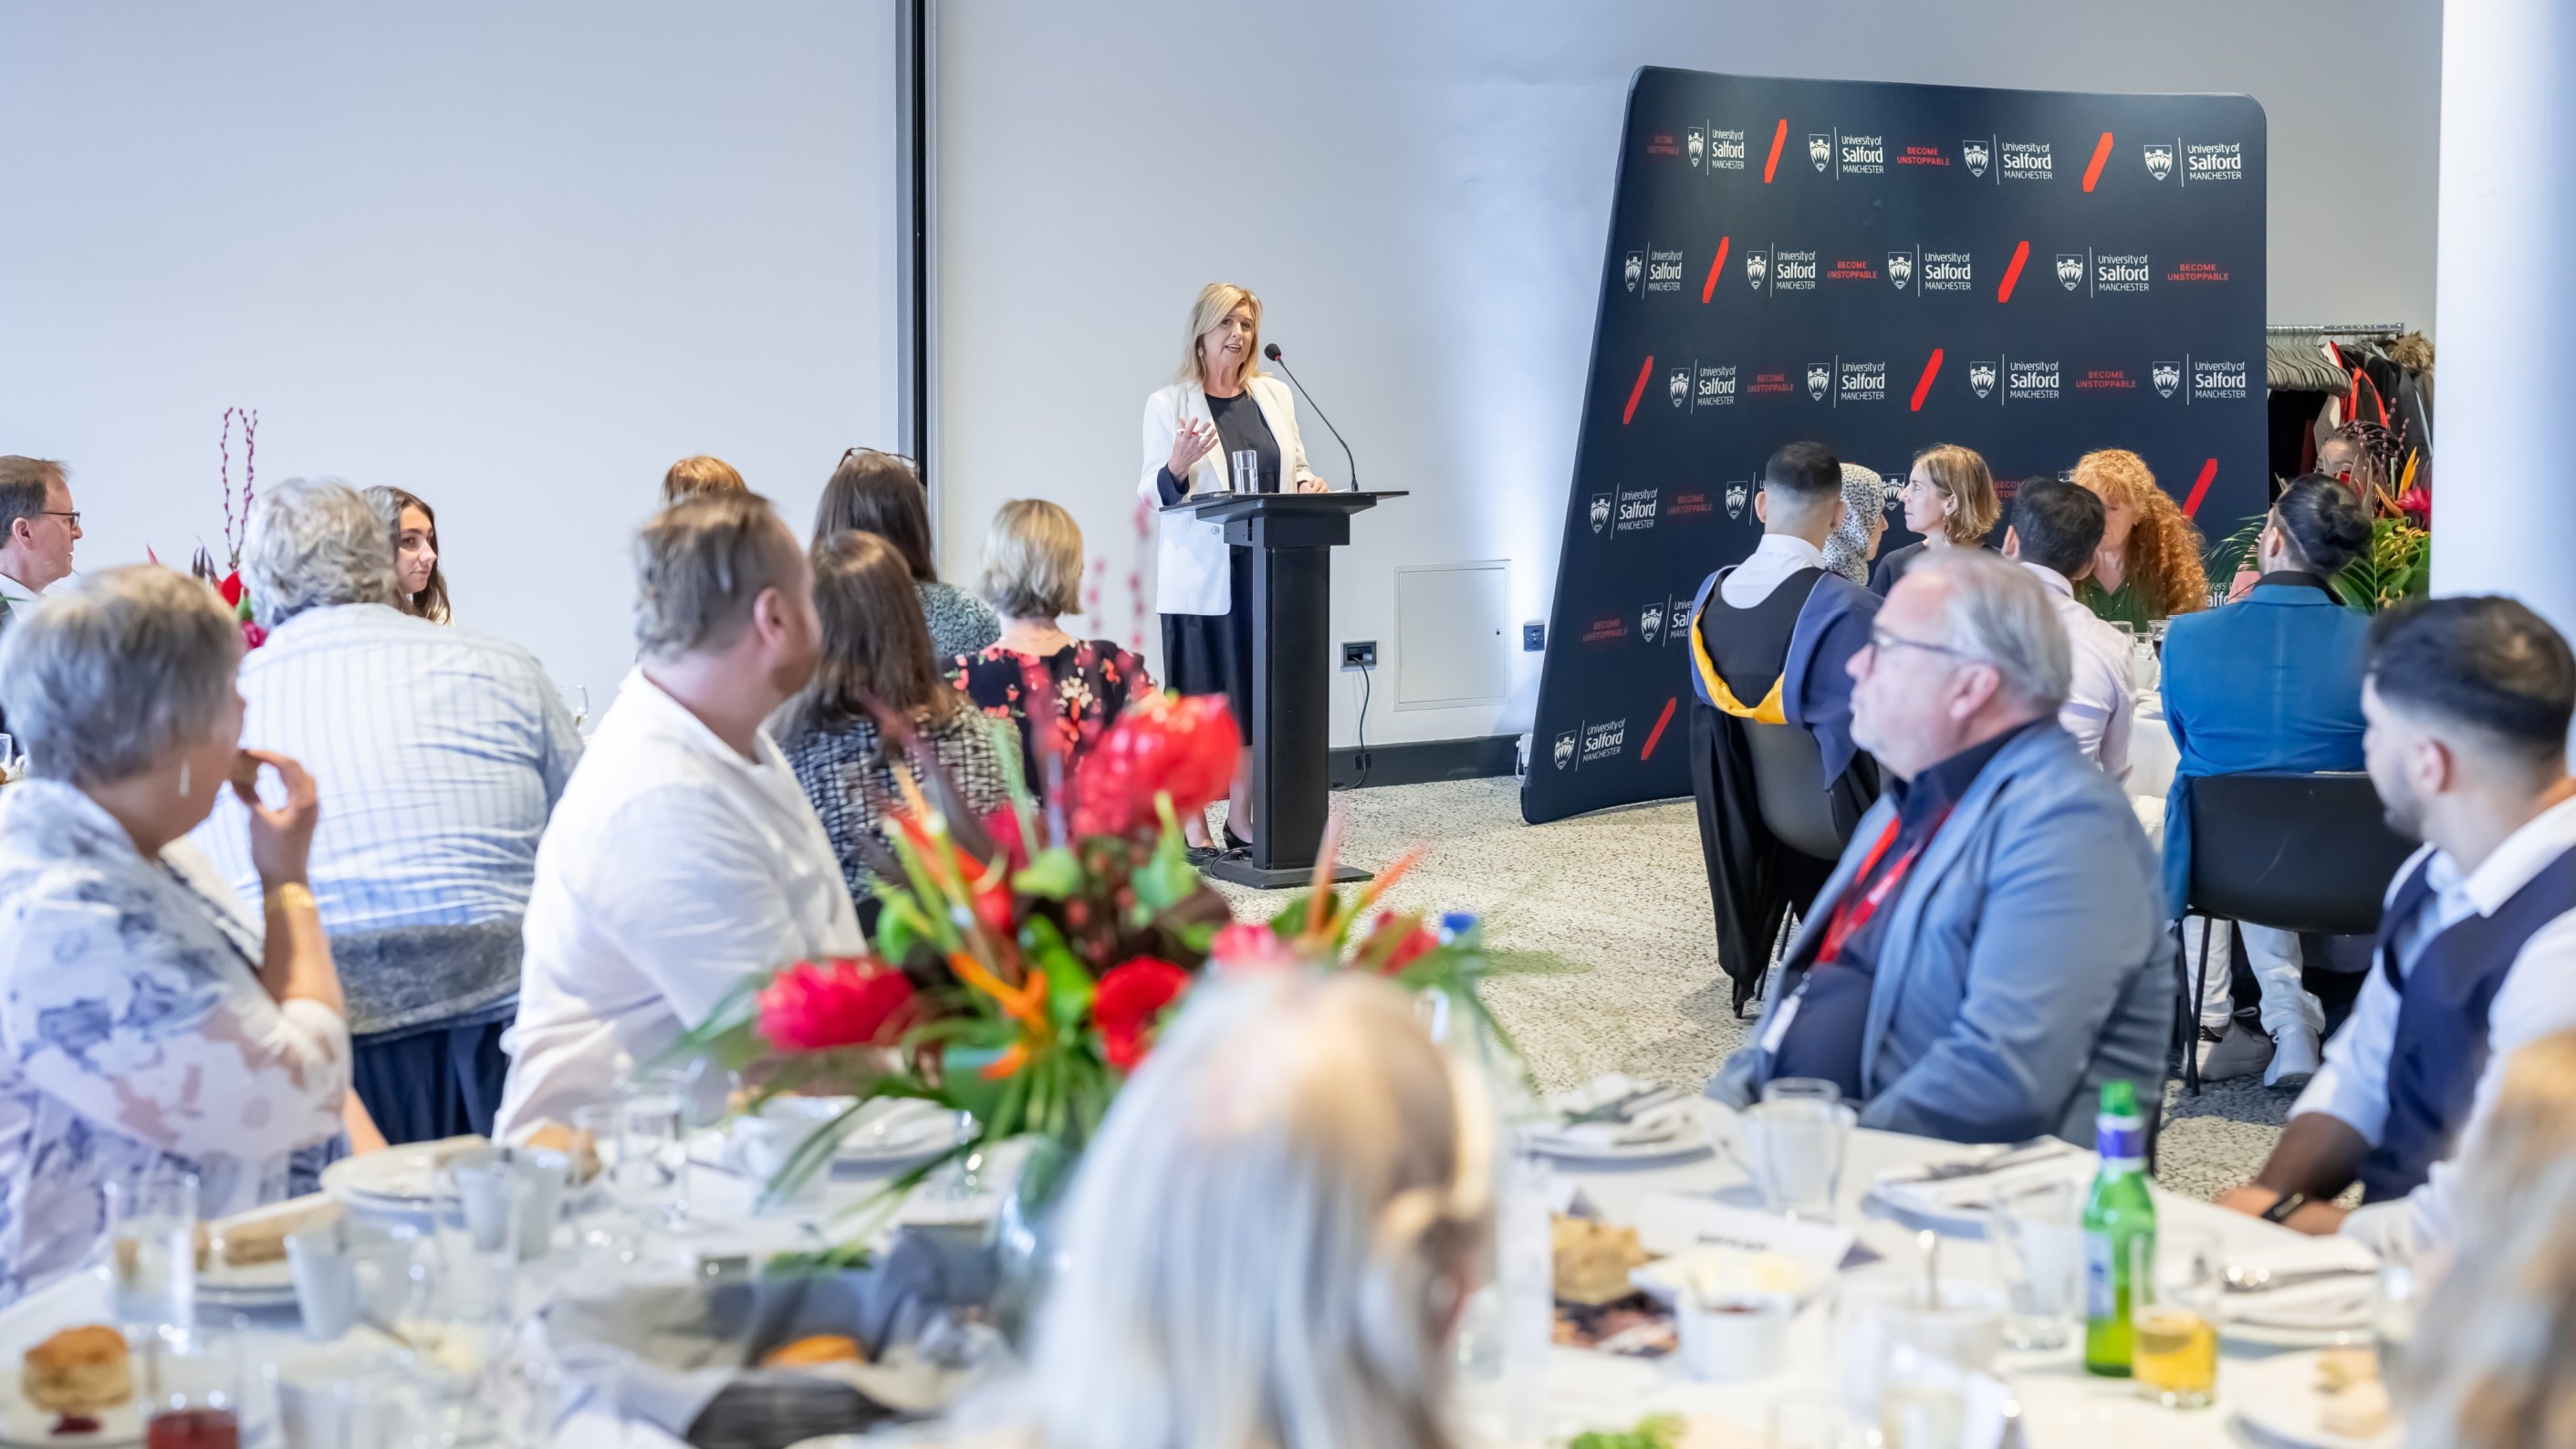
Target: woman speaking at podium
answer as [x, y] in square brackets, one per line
[1222, 426]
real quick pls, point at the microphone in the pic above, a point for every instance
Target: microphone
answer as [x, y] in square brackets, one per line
[1272, 352]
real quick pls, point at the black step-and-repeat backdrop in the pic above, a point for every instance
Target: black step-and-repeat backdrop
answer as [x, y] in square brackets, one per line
[1880, 267]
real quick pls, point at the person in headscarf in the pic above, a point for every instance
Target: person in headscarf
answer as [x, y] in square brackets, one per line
[1854, 541]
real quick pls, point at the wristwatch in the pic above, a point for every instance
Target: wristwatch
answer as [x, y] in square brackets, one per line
[2280, 1211]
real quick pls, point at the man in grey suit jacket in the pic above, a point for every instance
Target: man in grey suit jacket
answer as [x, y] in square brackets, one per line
[1992, 947]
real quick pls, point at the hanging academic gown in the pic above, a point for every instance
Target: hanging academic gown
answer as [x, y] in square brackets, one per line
[1788, 656]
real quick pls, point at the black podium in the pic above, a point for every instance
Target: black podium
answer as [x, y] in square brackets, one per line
[1291, 536]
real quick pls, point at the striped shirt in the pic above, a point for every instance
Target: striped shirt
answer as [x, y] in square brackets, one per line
[437, 753]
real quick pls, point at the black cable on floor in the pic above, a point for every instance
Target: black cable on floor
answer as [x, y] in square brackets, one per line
[1360, 760]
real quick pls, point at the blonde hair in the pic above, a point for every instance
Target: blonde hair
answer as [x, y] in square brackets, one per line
[1266, 1242]
[1961, 475]
[700, 474]
[1032, 561]
[2489, 1356]
[1217, 301]
[2164, 549]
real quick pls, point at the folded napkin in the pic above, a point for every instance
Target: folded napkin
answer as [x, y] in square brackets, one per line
[1670, 1123]
[1916, 1190]
[2325, 1303]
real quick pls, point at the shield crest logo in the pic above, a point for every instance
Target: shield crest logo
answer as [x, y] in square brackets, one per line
[1820, 149]
[1698, 145]
[2167, 376]
[1650, 623]
[1981, 379]
[1600, 511]
[1633, 269]
[1974, 153]
[1565, 749]
[1735, 493]
[2070, 269]
[1819, 378]
[1681, 386]
[1891, 487]
[2159, 161]
[1900, 269]
[1757, 267]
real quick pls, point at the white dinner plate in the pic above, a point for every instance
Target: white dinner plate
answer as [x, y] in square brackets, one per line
[2278, 1400]
[24, 1426]
[2284, 1335]
[887, 1135]
[1689, 1138]
[402, 1179]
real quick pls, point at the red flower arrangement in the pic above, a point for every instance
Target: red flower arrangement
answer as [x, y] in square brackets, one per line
[816, 1006]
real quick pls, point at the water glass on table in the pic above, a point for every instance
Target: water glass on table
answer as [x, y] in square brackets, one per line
[152, 1249]
[2177, 1277]
[1792, 1142]
[2395, 1301]
[652, 1170]
[192, 1392]
[2038, 1237]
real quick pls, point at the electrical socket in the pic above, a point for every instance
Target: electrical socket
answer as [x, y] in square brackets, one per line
[1359, 654]
[1533, 638]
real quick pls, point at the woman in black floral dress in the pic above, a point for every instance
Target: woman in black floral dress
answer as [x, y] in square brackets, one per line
[876, 651]
[1061, 692]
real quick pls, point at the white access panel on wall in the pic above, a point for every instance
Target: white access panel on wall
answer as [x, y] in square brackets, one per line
[1452, 628]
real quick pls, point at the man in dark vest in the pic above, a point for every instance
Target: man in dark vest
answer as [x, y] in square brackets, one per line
[2468, 702]
[1769, 641]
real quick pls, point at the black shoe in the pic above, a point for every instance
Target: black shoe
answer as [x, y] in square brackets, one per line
[1234, 841]
[1202, 854]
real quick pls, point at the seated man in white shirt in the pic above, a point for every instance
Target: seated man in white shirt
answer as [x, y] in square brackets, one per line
[684, 856]
[2056, 527]
[2468, 702]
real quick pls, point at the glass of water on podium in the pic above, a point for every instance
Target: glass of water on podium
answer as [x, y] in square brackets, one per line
[1247, 471]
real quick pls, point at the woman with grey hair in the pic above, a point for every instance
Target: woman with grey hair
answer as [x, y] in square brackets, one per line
[1270, 1239]
[1854, 541]
[147, 1025]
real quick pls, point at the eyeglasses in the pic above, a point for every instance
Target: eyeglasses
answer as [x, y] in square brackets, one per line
[73, 515]
[1880, 639]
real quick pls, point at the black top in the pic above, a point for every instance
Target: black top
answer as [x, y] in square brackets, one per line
[1062, 703]
[1750, 647]
[1892, 566]
[1823, 1037]
[1240, 427]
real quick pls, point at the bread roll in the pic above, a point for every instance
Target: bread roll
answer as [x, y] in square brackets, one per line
[79, 1370]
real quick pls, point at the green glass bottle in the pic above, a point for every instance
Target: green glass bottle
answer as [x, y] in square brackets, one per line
[2119, 1211]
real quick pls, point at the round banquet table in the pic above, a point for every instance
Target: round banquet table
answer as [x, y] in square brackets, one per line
[2062, 1405]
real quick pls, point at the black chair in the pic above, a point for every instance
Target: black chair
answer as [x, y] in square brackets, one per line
[1789, 786]
[2308, 853]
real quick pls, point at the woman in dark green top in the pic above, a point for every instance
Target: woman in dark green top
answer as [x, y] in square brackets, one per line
[2149, 565]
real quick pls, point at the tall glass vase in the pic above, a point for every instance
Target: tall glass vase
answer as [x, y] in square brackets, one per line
[1026, 1241]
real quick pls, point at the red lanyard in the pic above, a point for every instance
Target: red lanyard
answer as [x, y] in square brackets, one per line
[1850, 914]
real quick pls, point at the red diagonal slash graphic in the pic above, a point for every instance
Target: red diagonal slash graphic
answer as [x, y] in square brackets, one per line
[1657, 732]
[2012, 273]
[1708, 288]
[2200, 488]
[2101, 153]
[1644, 370]
[1923, 385]
[1779, 137]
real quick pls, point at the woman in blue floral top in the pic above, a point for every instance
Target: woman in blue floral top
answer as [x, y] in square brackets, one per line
[1061, 692]
[146, 1021]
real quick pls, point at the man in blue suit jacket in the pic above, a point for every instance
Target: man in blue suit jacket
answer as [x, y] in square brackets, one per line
[1992, 947]
[2270, 683]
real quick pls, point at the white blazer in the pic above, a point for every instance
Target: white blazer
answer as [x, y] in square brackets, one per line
[1190, 575]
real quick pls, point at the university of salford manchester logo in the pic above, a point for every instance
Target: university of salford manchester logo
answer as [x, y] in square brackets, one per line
[1650, 623]
[1565, 748]
[1757, 266]
[1681, 386]
[2159, 161]
[1981, 381]
[1735, 500]
[1698, 146]
[1820, 149]
[1634, 269]
[1900, 268]
[2070, 270]
[1974, 154]
[1820, 376]
[1600, 511]
[2167, 376]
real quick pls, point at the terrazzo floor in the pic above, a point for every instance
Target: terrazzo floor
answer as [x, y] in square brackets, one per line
[1620, 896]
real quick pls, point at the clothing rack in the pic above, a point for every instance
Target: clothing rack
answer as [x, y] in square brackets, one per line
[2372, 329]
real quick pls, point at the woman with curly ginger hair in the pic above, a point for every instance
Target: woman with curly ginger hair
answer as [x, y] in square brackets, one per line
[2149, 564]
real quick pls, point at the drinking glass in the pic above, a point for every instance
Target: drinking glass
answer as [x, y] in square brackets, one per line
[576, 702]
[652, 1171]
[2176, 1277]
[454, 1320]
[1247, 471]
[2038, 1236]
[1792, 1145]
[2393, 1306]
[192, 1392]
[152, 1248]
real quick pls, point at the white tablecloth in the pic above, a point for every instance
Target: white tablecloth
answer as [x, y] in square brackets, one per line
[2063, 1405]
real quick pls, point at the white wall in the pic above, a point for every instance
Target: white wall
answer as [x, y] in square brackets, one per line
[515, 257]
[1419, 194]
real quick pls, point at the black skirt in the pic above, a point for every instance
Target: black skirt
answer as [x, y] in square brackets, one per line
[1212, 653]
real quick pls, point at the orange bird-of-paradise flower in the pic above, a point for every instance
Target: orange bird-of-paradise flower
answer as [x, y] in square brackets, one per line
[1025, 1003]
[1007, 1064]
